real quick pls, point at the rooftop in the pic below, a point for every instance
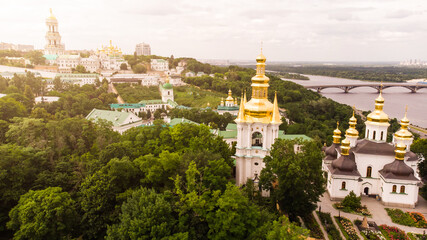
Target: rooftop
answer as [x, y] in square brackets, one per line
[177, 121]
[115, 117]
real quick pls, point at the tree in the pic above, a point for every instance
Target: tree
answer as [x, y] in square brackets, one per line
[139, 68]
[80, 69]
[145, 215]
[298, 175]
[352, 202]
[123, 66]
[10, 108]
[44, 214]
[283, 229]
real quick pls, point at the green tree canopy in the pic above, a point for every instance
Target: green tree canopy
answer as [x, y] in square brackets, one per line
[298, 175]
[44, 214]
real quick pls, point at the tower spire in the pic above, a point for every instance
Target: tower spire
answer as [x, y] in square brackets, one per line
[276, 114]
[241, 115]
[337, 134]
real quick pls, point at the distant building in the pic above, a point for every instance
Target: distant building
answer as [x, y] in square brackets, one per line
[78, 78]
[91, 64]
[111, 57]
[190, 74]
[159, 65]
[199, 74]
[53, 39]
[166, 90]
[17, 47]
[121, 121]
[143, 79]
[67, 62]
[229, 106]
[143, 49]
[9, 75]
[46, 99]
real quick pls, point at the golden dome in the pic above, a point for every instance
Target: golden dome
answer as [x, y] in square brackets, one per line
[259, 109]
[352, 131]
[400, 151]
[378, 115]
[51, 15]
[403, 132]
[229, 98]
[345, 147]
[337, 134]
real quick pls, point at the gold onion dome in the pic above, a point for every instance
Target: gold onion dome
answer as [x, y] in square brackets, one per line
[345, 147]
[337, 135]
[229, 98]
[403, 132]
[400, 151]
[51, 15]
[352, 131]
[259, 109]
[378, 115]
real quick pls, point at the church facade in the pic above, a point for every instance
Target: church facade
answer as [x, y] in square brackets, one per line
[258, 123]
[372, 166]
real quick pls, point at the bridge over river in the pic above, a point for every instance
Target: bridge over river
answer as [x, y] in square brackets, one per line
[413, 87]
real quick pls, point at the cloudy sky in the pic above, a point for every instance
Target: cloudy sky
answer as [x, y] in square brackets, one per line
[291, 30]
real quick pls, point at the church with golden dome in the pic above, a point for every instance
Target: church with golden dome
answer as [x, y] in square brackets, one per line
[372, 166]
[258, 123]
[53, 38]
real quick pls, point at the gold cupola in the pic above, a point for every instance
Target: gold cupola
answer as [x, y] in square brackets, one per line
[378, 116]
[229, 99]
[51, 15]
[403, 133]
[337, 134]
[400, 151]
[345, 147]
[352, 131]
[259, 109]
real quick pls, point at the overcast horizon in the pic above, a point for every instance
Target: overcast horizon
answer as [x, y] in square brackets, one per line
[319, 30]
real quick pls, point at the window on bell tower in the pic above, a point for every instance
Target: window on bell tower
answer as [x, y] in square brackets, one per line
[369, 172]
[256, 139]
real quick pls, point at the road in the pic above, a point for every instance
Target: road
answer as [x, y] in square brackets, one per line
[112, 89]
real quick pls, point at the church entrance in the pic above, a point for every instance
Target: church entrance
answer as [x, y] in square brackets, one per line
[366, 191]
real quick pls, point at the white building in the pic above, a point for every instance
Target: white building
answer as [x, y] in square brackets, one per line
[159, 65]
[67, 62]
[121, 121]
[371, 166]
[92, 63]
[46, 99]
[143, 49]
[166, 90]
[53, 39]
[229, 106]
[111, 57]
[79, 78]
[145, 79]
[190, 74]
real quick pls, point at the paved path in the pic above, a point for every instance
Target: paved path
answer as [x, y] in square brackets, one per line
[112, 89]
[325, 234]
[379, 214]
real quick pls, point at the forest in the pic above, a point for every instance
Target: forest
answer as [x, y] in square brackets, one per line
[385, 73]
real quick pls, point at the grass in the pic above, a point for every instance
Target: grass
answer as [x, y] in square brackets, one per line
[192, 96]
[416, 236]
[189, 96]
[328, 224]
[362, 211]
[347, 228]
[412, 219]
[312, 225]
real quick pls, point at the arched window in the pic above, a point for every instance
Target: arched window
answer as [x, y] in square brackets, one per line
[394, 189]
[343, 185]
[382, 135]
[169, 93]
[257, 139]
[373, 137]
[369, 172]
[402, 189]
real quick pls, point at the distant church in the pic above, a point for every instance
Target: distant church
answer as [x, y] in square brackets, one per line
[371, 166]
[53, 39]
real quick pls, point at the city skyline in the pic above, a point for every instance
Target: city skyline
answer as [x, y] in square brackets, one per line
[327, 30]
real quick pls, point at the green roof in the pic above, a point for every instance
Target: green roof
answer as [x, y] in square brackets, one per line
[50, 56]
[177, 121]
[228, 134]
[172, 103]
[167, 86]
[116, 117]
[149, 102]
[232, 126]
[293, 136]
[225, 108]
[126, 105]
